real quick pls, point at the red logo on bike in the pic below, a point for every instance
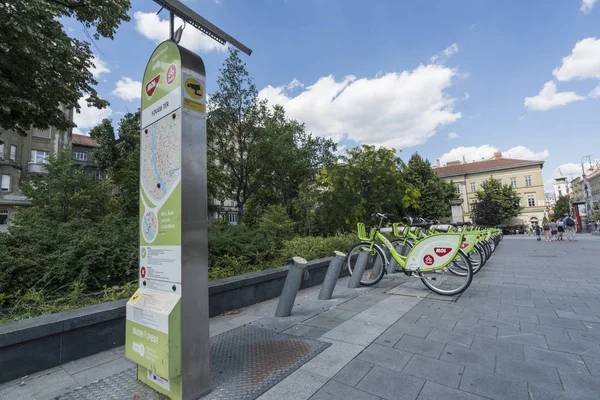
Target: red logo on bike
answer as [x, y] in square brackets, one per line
[171, 73]
[428, 259]
[464, 245]
[151, 86]
[442, 251]
[143, 272]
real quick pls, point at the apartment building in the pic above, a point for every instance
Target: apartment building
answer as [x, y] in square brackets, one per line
[21, 156]
[524, 176]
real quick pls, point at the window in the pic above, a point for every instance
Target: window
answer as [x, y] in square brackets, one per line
[3, 217]
[457, 188]
[42, 133]
[80, 155]
[39, 157]
[528, 181]
[513, 182]
[13, 153]
[5, 187]
[232, 218]
[473, 187]
[1, 151]
[531, 200]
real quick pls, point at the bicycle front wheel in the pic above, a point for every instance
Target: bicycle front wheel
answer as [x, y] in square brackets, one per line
[375, 268]
[450, 280]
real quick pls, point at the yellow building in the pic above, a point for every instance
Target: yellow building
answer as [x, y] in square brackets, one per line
[524, 176]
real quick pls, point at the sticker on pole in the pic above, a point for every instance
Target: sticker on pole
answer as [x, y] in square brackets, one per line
[143, 272]
[428, 260]
[442, 251]
[194, 89]
[152, 85]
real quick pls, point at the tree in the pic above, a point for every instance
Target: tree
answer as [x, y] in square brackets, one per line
[495, 204]
[435, 193]
[42, 69]
[234, 126]
[120, 158]
[561, 207]
[291, 159]
[366, 179]
[70, 235]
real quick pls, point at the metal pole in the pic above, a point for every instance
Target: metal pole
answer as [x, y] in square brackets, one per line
[359, 269]
[333, 272]
[290, 287]
[171, 24]
[590, 217]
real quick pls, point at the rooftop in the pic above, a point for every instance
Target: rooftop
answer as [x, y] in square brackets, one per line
[83, 140]
[496, 163]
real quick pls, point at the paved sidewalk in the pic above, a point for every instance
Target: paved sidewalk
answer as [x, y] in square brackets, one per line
[527, 328]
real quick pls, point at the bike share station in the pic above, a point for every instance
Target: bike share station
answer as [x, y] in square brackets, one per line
[167, 319]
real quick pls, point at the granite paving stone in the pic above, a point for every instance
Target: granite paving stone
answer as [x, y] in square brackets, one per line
[433, 370]
[528, 371]
[353, 372]
[433, 391]
[384, 356]
[487, 384]
[391, 385]
[334, 390]
[413, 344]
[467, 357]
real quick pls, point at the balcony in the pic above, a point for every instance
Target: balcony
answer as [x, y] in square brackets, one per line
[37, 168]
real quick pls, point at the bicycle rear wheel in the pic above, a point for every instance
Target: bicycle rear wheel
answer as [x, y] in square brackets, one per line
[375, 268]
[476, 258]
[447, 282]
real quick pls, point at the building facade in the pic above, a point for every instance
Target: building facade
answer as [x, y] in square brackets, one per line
[22, 156]
[593, 179]
[523, 175]
[577, 189]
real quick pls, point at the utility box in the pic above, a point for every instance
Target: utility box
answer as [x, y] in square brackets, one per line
[153, 330]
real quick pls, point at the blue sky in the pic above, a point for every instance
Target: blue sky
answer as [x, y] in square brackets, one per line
[513, 76]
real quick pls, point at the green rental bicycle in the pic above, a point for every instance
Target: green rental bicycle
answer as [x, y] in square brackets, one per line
[436, 259]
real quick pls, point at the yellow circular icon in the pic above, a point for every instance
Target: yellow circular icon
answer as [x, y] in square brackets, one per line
[193, 88]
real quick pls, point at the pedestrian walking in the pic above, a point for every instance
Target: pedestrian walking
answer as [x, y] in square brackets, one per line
[553, 230]
[570, 226]
[546, 229]
[561, 229]
[538, 233]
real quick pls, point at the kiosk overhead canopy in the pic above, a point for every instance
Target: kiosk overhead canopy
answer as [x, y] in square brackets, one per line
[202, 24]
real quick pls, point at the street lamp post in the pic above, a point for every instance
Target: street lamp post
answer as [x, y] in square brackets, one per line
[588, 201]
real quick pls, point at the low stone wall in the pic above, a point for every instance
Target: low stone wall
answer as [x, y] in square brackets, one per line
[39, 343]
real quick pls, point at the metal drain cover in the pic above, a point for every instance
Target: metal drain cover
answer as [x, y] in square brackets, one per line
[245, 362]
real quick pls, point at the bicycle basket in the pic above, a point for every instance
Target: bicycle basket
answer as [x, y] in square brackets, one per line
[362, 232]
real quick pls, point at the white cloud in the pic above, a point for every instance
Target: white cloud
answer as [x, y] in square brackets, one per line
[89, 117]
[582, 63]
[595, 92]
[446, 53]
[395, 110]
[152, 27]
[587, 5]
[100, 67]
[452, 135]
[128, 89]
[485, 152]
[523, 153]
[549, 98]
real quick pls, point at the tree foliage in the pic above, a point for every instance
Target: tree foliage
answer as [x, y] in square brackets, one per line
[365, 180]
[234, 126]
[120, 158]
[42, 69]
[561, 207]
[70, 235]
[435, 193]
[496, 203]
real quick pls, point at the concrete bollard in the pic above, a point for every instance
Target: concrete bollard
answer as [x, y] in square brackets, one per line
[359, 269]
[333, 273]
[290, 287]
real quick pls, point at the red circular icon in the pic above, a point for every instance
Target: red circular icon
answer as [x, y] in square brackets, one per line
[171, 73]
[143, 272]
[428, 259]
